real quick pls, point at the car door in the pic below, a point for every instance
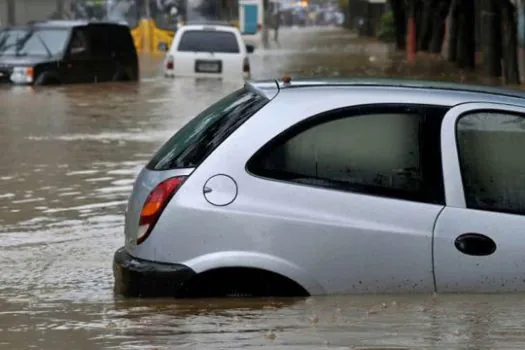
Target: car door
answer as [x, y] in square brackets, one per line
[352, 196]
[479, 238]
[103, 51]
[78, 66]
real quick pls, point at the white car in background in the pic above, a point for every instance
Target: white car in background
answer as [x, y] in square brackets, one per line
[208, 51]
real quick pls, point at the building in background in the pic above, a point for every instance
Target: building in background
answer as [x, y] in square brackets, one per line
[22, 11]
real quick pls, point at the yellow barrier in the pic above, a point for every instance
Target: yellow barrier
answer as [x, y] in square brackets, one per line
[147, 37]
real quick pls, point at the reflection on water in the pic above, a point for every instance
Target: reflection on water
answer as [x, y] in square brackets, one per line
[69, 157]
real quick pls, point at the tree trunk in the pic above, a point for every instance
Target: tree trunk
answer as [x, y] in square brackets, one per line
[508, 12]
[426, 26]
[438, 32]
[521, 38]
[418, 19]
[453, 31]
[400, 22]
[411, 31]
[491, 35]
[466, 46]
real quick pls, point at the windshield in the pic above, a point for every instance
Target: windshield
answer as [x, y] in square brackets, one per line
[209, 41]
[202, 135]
[33, 41]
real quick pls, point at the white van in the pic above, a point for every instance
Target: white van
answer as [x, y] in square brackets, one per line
[208, 51]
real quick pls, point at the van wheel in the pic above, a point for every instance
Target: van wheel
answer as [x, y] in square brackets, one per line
[46, 79]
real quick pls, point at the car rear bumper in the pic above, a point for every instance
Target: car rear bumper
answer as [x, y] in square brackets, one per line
[140, 278]
[227, 77]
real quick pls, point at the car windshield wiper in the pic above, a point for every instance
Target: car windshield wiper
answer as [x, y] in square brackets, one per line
[18, 43]
[49, 53]
[3, 39]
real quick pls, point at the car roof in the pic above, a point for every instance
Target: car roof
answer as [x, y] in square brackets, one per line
[209, 26]
[452, 93]
[69, 24]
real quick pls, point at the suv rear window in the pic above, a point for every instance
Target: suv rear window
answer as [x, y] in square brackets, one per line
[208, 41]
[202, 135]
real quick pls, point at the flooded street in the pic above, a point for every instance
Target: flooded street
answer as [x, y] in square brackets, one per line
[68, 159]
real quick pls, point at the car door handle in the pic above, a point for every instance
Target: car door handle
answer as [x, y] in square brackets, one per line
[475, 244]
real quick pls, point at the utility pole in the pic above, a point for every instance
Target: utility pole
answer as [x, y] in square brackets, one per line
[60, 7]
[11, 12]
[266, 20]
[147, 9]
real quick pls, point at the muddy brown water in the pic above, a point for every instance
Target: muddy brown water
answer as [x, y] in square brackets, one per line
[68, 157]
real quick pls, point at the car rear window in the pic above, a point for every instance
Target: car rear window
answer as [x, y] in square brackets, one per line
[209, 41]
[202, 135]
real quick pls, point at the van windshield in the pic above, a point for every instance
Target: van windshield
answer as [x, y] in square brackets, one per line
[45, 42]
[202, 135]
[208, 41]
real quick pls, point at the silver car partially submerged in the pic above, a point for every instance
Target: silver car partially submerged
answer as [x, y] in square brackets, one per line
[328, 187]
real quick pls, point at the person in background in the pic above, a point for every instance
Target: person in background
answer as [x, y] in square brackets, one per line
[276, 23]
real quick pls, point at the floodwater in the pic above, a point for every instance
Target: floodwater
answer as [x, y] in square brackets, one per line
[68, 157]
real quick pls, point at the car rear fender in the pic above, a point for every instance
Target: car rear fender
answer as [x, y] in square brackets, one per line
[145, 182]
[255, 260]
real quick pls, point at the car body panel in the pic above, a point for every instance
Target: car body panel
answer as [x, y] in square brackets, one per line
[327, 240]
[143, 185]
[256, 260]
[503, 271]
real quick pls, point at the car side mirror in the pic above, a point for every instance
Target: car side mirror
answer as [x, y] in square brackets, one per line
[163, 47]
[250, 48]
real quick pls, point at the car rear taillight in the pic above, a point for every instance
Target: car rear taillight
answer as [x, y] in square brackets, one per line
[170, 63]
[259, 27]
[155, 204]
[246, 65]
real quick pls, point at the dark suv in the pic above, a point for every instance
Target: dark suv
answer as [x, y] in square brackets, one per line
[56, 52]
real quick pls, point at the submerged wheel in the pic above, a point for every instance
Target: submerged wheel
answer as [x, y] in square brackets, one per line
[46, 78]
[242, 282]
[120, 76]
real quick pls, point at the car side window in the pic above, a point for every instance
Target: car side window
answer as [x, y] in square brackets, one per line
[100, 42]
[79, 48]
[392, 154]
[492, 160]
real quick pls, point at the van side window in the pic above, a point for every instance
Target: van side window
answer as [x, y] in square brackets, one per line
[385, 153]
[79, 47]
[100, 41]
[123, 42]
[492, 161]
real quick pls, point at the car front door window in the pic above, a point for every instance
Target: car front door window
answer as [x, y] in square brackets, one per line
[492, 162]
[79, 46]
